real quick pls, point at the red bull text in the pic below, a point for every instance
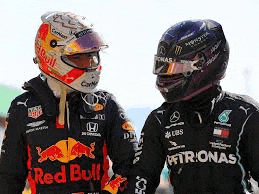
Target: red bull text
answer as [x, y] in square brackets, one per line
[75, 171]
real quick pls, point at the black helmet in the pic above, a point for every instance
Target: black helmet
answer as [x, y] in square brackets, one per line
[192, 56]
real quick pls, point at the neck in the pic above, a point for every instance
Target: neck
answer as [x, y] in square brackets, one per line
[55, 86]
[204, 99]
[200, 107]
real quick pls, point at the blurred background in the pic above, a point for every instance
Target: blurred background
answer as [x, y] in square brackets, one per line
[132, 30]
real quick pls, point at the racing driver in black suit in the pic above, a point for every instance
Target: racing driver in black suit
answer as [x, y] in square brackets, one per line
[208, 137]
[62, 132]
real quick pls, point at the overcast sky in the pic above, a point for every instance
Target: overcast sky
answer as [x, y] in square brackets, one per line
[132, 29]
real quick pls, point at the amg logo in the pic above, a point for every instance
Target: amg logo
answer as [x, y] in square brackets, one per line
[202, 157]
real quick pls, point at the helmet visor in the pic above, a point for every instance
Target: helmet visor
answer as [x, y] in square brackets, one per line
[170, 66]
[87, 41]
[88, 61]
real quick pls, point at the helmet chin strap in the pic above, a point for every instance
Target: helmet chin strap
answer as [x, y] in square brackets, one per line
[59, 90]
[62, 104]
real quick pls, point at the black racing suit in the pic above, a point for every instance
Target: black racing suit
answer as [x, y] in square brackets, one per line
[67, 159]
[210, 145]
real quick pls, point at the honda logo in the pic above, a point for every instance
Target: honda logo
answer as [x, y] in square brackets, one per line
[92, 127]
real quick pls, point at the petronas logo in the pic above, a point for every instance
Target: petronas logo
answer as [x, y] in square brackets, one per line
[224, 116]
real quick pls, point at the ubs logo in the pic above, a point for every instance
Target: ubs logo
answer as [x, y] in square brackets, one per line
[175, 117]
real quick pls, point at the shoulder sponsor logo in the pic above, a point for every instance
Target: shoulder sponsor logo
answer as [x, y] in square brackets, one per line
[224, 116]
[244, 109]
[36, 124]
[131, 135]
[23, 103]
[173, 133]
[35, 112]
[127, 126]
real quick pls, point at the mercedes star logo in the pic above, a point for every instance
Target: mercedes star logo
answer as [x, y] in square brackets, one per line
[162, 50]
[175, 117]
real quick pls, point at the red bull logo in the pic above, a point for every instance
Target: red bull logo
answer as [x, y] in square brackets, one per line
[66, 150]
[53, 153]
[114, 185]
[127, 126]
[98, 107]
[75, 172]
[43, 31]
[44, 59]
[80, 149]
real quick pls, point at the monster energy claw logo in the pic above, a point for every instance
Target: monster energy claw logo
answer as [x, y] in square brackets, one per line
[178, 50]
[224, 116]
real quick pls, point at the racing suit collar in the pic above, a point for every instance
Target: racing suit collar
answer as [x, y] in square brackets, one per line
[199, 108]
[204, 99]
[44, 93]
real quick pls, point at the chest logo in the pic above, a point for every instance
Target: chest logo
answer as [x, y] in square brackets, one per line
[175, 117]
[23, 103]
[65, 151]
[221, 132]
[92, 127]
[92, 130]
[224, 116]
[174, 133]
[174, 146]
[35, 112]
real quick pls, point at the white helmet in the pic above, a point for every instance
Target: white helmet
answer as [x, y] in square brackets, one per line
[67, 49]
